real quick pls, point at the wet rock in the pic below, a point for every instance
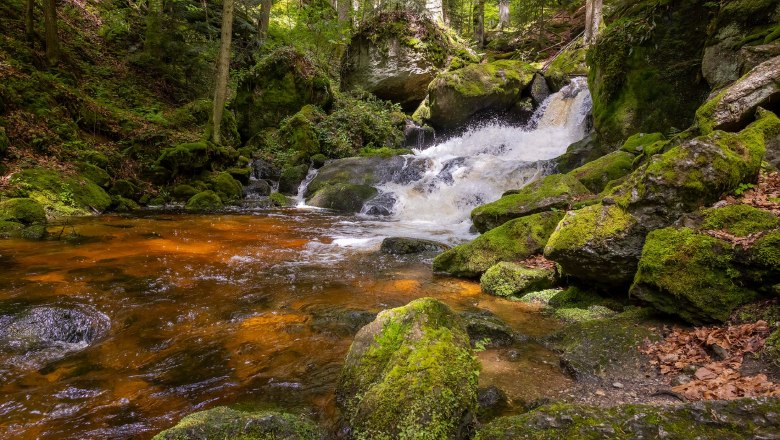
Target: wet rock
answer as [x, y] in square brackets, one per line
[515, 240]
[556, 191]
[511, 279]
[410, 371]
[580, 153]
[291, 178]
[264, 170]
[229, 424]
[735, 107]
[343, 197]
[487, 328]
[416, 136]
[736, 419]
[597, 174]
[492, 402]
[206, 201]
[341, 322]
[539, 89]
[407, 245]
[257, 188]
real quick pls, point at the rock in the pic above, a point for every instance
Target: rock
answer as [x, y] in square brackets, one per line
[125, 188]
[192, 158]
[410, 371]
[265, 171]
[257, 188]
[690, 275]
[735, 107]
[643, 143]
[94, 173]
[580, 153]
[515, 240]
[486, 328]
[59, 194]
[277, 87]
[227, 188]
[229, 424]
[4, 142]
[298, 135]
[241, 173]
[22, 210]
[291, 178]
[512, 279]
[746, 418]
[556, 191]
[206, 201]
[591, 313]
[567, 64]
[184, 192]
[738, 220]
[596, 174]
[648, 79]
[121, 204]
[340, 322]
[492, 402]
[539, 89]
[493, 88]
[407, 245]
[395, 55]
[600, 244]
[343, 197]
[279, 199]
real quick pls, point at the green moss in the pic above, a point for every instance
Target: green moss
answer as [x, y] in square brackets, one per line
[739, 220]
[94, 173]
[344, 197]
[637, 144]
[278, 199]
[228, 424]
[24, 211]
[552, 192]
[121, 204]
[542, 296]
[59, 194]
[690, 275]
[291, 177]
[705, 114]
[4, 142]
[205, 201]
[183, 192]
[591, 313]
[9, 229]
[574, 297]
[193, 157]
[384, 152]
[242, 174]
[591, 224]
[299, 135]
[484, 79]
[771, 350]
[570, 62]
[766, 251]
[228, 188]
[511, 279]
[513, 241]
[595, 175]
[125, 189]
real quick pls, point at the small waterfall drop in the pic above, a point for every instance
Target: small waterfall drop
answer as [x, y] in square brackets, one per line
[477, 167]
[300, 199]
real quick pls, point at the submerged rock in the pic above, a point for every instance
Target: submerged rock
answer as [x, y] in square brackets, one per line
[228, 424]
[407, 245]
[488, 329]
[748, 418]
[410, 373]
[512, 279]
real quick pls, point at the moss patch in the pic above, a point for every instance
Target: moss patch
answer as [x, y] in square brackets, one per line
[24, 211]
[511, 279]
[59, 194]
[739, 220]
[596, 174]
[206, 201]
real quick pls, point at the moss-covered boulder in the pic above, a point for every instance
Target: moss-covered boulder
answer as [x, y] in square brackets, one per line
[642, 143]
[568, 63]
[645, 68]
[60, 194]
[735, 107]
[291, 178]
[515, 240]
[277, 87]
[581, 152]
[595, 175]
[765, 253]
[738, 220]
[694, 276]
[4, 142]
[512, 279]
[183, 192]
[206, 201]
[125, 188]
[556, 191]
[343, 197]
[741, 419]
[94, 173]
[228, 424]
[122, 204]
[395, 55]
[455, 97]
[411, 246]
[410, 374]
[22, 210]
[192, 158]
[227, 188]
[598, 243]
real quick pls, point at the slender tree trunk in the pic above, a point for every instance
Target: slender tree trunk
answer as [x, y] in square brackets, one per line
[479, 22]
[223, 67]
[503, 14]
[52, 39]
[344, 8]
[264, 21]
[593, 16]
[29, 21]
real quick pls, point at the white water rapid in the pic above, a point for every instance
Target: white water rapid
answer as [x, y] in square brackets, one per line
[470, 170]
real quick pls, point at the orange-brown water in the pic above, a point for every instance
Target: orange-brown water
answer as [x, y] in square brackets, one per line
[251, 310]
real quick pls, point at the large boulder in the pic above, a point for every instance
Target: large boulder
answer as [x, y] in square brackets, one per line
[230, 424]
[736, 106]
[410, 374]
[23, 210]
[277, 87]
[411, 246]
[515, 240]
[512, 279]
[647, 77]
[493, 88]
[556, 191]
[395, 55]
[746, 418]
[343, 197]
[60, 194]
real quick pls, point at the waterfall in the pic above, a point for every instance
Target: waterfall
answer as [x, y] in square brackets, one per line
[489, 159]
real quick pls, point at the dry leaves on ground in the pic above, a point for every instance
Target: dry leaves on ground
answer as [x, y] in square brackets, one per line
[538, 262]
[692, 350]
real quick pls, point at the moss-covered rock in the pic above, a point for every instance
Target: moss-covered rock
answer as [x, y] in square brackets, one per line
[765, 252]
[598, 243]
[690, 275]
[581, 152]
[125, 188]
[455, 97]
[739, 220]
[205, 201]
[228, 424]
[4, 142]
[568, 63]
[410, 246]
[60, 194]
[94, 173]
[515, 240]
[645, 69]
[277, 87]
[595, 175]
[298, 134]
[577, 314]
[410, 374]
[291, 178]
[745, 418]
[556, 191]
[639, 143]
[22, 210]
[122, 204]
[183, 192]
[227, 188]
[512, 279]
[278, 199]
[193, 157]
[344, 197]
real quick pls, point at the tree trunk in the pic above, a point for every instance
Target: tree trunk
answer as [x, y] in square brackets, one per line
[435, 9]
[29, 21]
[52, 39]
[223, 68]
[153, 34]
[593, 16]
[503, 14]
[344, 8]
[264, 21]
[479, 23]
